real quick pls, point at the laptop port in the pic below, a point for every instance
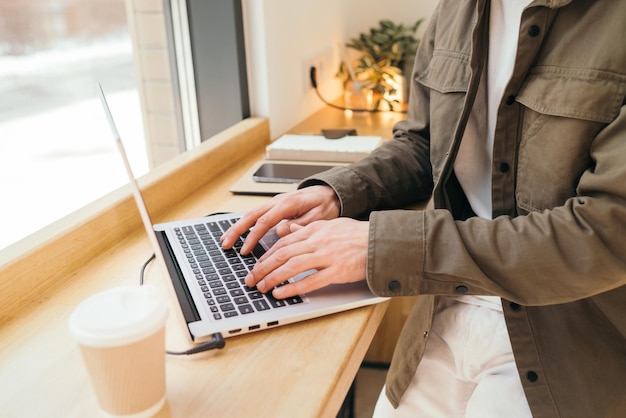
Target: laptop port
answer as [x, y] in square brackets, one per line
[254, 327]
[272, 324]
[234, 331]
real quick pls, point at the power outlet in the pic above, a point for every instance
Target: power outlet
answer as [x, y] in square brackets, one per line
[323, 63]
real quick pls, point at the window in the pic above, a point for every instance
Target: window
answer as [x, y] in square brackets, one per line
[206, 43]
[56, 150]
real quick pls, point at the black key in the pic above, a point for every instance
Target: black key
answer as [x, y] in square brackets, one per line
[223, 299]
[258, 250]
[227, 307]
[219, 291]
[224, 224]
[276, 303]
[260, 305]
[233, 285]
[213, 227]
[255, 295]
[240, 300]
[238, 267]
[237, 292]
[245, 309]
[293, 300]
[217, 316]
[230, 314]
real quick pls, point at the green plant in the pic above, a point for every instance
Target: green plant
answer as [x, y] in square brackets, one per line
[387, 52]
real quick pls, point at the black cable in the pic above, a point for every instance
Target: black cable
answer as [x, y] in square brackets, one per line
[313, 78]
[216, 342]
[143, 268]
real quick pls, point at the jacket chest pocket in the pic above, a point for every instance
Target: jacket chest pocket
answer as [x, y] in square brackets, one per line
[564, 111]
[446, 80]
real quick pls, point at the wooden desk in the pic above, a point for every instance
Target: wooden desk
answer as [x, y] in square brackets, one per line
[301, 370]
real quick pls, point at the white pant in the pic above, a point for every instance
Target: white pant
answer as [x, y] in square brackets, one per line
[468, 369]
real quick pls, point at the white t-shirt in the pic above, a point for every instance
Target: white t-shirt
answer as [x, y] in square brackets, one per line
[474, 160]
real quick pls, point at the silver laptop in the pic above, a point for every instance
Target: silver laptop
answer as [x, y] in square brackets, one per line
[209, 281]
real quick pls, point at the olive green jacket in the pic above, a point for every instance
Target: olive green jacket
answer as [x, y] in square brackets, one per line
[555, 251]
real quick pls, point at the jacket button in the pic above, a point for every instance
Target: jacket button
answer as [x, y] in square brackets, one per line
[514, 306]
[503, 167]
[510, 100]
[532, 376]
[394, 286]
[461, 289]
[534, 30]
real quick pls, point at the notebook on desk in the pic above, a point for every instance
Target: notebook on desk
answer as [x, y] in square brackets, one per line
[208, 280]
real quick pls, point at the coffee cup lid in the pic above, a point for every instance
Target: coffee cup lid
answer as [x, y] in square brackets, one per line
[118, 316]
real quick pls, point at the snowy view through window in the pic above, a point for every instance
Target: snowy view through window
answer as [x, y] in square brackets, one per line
[56, 149]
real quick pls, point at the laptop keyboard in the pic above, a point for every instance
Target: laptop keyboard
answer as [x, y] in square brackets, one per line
[220, 273]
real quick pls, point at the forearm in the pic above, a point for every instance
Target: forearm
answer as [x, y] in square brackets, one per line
[543, 258]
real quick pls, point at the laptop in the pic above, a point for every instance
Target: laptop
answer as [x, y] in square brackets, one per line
[209, 281]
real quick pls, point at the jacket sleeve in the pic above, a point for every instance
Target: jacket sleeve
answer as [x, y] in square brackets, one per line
[559, 255]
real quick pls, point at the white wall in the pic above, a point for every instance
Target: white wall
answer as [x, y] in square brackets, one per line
[282, 34]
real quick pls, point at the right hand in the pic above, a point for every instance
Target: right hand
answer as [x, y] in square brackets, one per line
[300, 207]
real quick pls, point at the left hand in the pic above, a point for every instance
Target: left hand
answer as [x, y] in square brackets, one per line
[336, 248]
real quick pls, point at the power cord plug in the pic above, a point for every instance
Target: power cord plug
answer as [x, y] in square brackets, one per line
[313, 79]
[217, 342]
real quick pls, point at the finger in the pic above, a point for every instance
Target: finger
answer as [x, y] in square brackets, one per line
[287, 241]
[283, 265]
[308, 284]
[262, 219]
[240, 227]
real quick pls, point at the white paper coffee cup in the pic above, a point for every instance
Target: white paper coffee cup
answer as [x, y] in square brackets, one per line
[121, 334]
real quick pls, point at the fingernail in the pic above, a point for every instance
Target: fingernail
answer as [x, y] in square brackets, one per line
[277, 293]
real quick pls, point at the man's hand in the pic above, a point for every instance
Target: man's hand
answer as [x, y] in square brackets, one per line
[336, 248]
[299, 207]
